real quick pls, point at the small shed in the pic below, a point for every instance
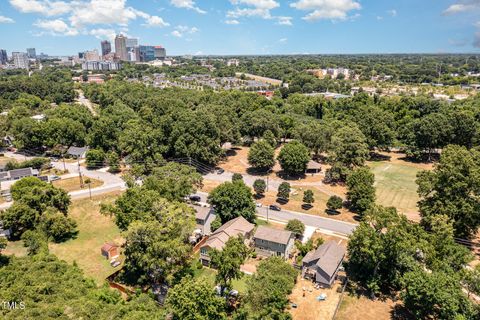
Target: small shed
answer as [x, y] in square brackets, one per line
[110, 250]
[313, 167]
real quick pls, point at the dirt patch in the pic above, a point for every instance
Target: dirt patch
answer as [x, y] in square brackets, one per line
[304, 295]
[362, 308]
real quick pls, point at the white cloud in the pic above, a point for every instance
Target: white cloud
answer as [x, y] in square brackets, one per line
[283, 40]
[56, 27]
[187, 4]
[392, 12]
[103, 34]
[180, 31]
[232, 22]
[379, 18]
[44, 7]
[79, 16]
[285, 21]
[176, 33]
[155, 21]
[326, 9]
[256, 8]
[462, 6]
[4, 19]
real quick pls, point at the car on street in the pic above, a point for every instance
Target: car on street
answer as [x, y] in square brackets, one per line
[274, 208]
[195, 198]
[220, 171]
[54, 178]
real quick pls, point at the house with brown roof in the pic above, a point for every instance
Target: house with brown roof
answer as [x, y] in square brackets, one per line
[273, 242]
[110, 251]
[322, 265]
[233, 228]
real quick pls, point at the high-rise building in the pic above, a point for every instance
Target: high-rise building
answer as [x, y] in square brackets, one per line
[106, 47]
[160, 53]
[31, 53]
[91, 55]
[3, 56]
[121, 47]
[81, 55]
[131, 43]
[146, 53]
[20, 60]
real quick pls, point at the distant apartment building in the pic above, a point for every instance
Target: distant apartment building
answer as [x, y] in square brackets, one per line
[121, 47]
[101, 66]
[106, 47]
[131, 43]
[334, 73]
[31, 53]
[92, 55]
[233, 62]
[20, 60]
[3, 57]
[160, 53]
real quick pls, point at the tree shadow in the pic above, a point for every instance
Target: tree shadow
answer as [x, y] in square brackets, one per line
[284, 176]
[307, 206]
[424, 159]
[256, 172]
[399, 312]
[282, 201]
[258, 196]
[231, 152]
[377, 157]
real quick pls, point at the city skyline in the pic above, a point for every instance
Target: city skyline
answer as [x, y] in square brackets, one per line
[244, 27]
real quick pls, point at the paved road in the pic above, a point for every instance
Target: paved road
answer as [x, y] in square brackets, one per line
[323, 224]
[111, 182]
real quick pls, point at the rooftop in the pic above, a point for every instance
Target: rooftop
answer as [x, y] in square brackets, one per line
[273, 235]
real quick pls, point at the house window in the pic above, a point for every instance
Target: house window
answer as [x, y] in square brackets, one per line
[204, 251]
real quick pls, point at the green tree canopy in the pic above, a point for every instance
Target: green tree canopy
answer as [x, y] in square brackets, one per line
[232, 199]
[360, 189]
[293, 158]
[261, 155]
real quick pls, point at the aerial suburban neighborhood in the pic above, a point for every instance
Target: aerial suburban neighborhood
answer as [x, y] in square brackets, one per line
[241, 160]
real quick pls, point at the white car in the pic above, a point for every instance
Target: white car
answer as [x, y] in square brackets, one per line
[54, 178]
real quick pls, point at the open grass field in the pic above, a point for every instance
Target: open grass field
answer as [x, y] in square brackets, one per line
[94, 230]
[395, 184]
[73, 184]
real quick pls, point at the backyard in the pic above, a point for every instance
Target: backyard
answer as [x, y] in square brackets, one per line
[94, 230]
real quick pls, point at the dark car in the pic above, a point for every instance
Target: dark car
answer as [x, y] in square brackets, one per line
[274, 207]
[220, 171]
[195, 198]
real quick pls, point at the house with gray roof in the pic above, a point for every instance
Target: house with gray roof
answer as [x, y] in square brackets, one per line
[273, 242]
[322, 265]
[18, 174]
[204, 217]
[77, 152]
[233, 228]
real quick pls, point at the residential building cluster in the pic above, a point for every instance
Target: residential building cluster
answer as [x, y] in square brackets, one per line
[206, 81]
[333, 73]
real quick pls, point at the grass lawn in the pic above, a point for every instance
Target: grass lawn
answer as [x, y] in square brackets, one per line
[209, 275]
[73, 184]
[395, 184]
[94, 230]
[16, 248]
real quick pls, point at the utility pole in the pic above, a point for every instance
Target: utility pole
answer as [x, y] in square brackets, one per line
[80, 174]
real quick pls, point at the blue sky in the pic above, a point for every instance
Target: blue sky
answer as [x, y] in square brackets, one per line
[64, 27]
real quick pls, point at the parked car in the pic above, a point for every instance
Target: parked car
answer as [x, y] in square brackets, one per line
[220, 171]
[195, 198]
[54, 178]
[258, 204]
[274, 208]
